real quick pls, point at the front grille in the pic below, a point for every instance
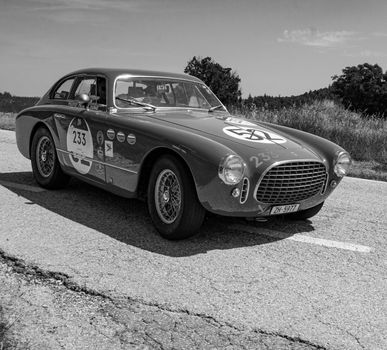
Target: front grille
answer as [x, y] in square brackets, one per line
[292, 182]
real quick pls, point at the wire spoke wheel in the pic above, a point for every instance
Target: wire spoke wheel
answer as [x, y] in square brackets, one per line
[172, 200]
[45, 156]
[167, 195]
[44, 161]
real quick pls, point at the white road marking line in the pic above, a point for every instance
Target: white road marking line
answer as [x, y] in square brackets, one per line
[305, 239]
[21, 186]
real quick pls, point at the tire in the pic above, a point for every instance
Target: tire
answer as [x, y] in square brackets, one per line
[305, 214]
[44, 161]
[176, 213]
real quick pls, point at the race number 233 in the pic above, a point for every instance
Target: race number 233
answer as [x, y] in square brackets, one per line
[79, 137]
[80, 145]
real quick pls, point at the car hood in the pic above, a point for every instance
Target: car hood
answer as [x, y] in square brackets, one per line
[239, 134]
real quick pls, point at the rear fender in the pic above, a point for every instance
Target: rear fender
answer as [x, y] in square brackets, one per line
[26, 124]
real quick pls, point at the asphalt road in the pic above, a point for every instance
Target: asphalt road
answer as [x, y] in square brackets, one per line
[321, 283]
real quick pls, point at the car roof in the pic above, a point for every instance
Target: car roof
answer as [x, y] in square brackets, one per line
[112, 73]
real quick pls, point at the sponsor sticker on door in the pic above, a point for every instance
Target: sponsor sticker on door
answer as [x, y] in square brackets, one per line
[109, 149]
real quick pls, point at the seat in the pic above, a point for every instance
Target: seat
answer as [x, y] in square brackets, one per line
[135, 92]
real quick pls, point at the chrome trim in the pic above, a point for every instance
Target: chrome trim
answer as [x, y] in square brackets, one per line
[100, 162]
[286, 162]
[338, 155]
[115, 166]
[246, 190]
[326, 182]
[221, 169]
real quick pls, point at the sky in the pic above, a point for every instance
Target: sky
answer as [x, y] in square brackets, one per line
[277, 47]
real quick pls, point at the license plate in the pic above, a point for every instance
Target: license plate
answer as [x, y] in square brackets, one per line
[284, 209]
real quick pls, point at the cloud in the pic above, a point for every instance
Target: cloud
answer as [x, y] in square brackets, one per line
[313, 37]
[379, 34]
[71, 11]
[367, 54]
[72, 5]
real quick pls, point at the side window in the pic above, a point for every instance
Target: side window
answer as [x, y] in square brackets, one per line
[101, 90]
[94, 87]
[86, 86]
[63, 91]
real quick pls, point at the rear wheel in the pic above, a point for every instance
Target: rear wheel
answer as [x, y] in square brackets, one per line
[172, 200]
[44, 161]
[305, 214]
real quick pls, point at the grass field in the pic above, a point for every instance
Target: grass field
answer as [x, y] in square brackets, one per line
[365, 139]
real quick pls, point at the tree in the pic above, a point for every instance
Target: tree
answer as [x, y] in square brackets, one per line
[362, 88]
[222, 81]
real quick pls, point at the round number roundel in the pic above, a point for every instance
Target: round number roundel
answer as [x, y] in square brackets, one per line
[80, 145]
[253, 134]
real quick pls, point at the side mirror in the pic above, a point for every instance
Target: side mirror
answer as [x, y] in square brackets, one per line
[84, 99]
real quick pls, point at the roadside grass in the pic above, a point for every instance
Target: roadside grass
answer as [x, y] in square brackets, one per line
[369, 170]
[7, 121]
[364, 138]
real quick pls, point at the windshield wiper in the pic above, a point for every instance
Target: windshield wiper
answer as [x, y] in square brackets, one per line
[215, 108]
[132, 101]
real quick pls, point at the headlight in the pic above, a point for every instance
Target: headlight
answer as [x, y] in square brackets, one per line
[231, 169]
[342, 164]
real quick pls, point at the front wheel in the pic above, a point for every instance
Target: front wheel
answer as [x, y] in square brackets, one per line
[305, 214]
[44, 161]
[172, 200]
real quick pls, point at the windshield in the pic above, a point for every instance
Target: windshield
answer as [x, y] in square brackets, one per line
[164, 93]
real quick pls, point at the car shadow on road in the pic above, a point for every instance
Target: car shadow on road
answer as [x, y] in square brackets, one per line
[127, 220]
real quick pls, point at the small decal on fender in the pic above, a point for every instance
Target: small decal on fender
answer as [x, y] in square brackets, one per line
[109, 149]
[131, 139]
[100, 138]
[111, 134]
[120, 136]
[100, 152]
[100, 168]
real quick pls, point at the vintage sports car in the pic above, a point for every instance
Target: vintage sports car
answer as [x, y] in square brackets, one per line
[166, 138]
